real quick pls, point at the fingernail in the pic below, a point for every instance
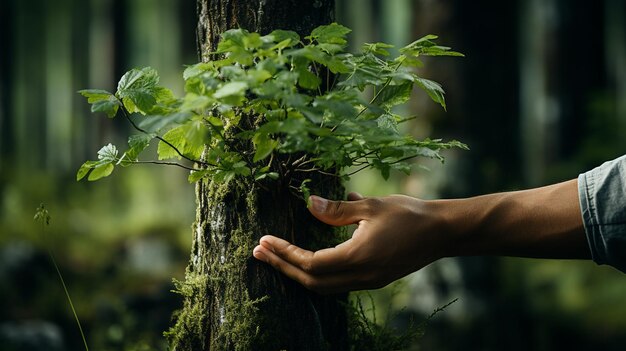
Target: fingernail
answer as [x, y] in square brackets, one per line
[319, 204]
[259, 255]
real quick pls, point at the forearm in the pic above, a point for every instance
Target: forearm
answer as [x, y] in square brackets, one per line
[543, 222]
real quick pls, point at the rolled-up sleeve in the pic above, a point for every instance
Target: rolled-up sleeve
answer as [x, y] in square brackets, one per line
[602, 196]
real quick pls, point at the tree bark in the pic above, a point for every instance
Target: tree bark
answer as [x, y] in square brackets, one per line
[232, 301]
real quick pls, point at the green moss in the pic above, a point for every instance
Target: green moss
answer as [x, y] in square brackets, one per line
[235, 319]
[191, 321]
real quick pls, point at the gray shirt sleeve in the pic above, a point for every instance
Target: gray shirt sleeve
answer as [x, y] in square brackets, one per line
[602, 196]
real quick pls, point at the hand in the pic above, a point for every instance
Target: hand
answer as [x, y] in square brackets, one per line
[395, 235]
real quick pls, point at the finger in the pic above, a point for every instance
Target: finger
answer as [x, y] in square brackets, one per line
[354, 196]
[321, 261]
[320, 283]
[337, 213]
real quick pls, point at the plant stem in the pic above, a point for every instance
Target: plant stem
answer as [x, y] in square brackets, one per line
[67, 294]
[127, 116]
[165, 163]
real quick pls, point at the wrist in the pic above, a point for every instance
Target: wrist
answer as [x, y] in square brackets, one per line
[449, 225]
[466, 224]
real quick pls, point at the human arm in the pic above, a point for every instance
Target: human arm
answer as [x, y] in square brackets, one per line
[397, 235]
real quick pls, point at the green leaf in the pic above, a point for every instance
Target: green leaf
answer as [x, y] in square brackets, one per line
[189, 138]
[137, 89]
[377, 48]
[306, 193]
[137, 144]
[393, 95]
[388, 122]
[156, 123]
[101, 171]
[84, 169]
[194, 102]
[241, 168]
[107, 153]
[271, 84]
[270, 175]
[433, 89]
[333, 34]
[264, 146]
[279, 36]
[231, 88]
[102, 101]
[308, 80]
[426, 46]
[195, 176]
[197, 69]
[366, 70]
[42, 215]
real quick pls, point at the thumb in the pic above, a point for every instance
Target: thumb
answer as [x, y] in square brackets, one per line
[335, 213]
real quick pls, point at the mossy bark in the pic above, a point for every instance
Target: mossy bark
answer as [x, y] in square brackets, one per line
[232, 301]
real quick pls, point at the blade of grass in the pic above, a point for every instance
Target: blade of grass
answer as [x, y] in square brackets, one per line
[43, 216]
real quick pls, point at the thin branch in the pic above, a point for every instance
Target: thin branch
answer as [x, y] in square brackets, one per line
[314, 169]
[358, 170]
[127, 116]
[165, 163]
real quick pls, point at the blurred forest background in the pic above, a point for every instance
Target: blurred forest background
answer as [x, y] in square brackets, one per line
[540, 97]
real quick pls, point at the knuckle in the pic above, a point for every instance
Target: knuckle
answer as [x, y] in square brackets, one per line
[372, 204]
[338, 208]
[310, 283]
[308, 266]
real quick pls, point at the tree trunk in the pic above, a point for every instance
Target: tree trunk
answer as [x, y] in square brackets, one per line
[231, 300]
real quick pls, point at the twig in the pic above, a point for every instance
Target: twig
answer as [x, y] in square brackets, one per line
[127, 116]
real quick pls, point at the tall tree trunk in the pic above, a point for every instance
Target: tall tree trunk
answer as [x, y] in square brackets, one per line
[232, 301]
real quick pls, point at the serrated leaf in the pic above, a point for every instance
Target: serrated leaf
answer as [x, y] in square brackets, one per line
[188, 138]
[394, 95]
[282, 35]
[108, 153]
[101, 101]
[333, 33]
[145, 77]
[433, 89]
[137, 89]
[426, 46]
[137, 143]
[377, 48]
[388, 122]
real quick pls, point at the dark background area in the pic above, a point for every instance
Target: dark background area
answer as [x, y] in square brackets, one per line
[540, 97]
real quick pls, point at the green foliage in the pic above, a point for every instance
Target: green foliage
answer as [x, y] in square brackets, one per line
[43, 216]
[367, 333]
[277, 107]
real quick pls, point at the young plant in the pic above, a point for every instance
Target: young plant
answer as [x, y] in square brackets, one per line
[276, 108]
[43, 216]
